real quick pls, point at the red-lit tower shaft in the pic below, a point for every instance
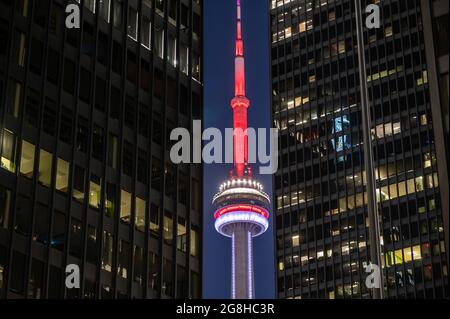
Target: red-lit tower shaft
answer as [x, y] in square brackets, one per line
[240, 103]
[241, 206]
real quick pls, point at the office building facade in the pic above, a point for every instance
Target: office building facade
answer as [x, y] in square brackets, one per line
[322, 225]
[86, 178]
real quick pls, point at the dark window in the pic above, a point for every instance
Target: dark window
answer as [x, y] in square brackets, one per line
[158, 85]
[157, 130]
[167, 276]
[41, 12]
[184, 100]
[24, 212]
[5, 206]
[88, 44]
[17, 283]
[58, 230]
[97, 142]
[170, 181]
[124, 259]
[49, 124]
[57, 19]
[138, 264]
[82, 135]
[85, 85]
[53, 66]
[79, 183]
[132, 68]
[172, 93]
[76, 236]
[143, 119]
[130, 112]
[36, 54]
[92, 254]
[142, 166]
[183, 188]
[54, 282]
[116, 103]
[117, 58]
[66, 126]
[145, 75]
[41, 223]
[128, 158]
[4, 32]
[156, 174]
[69, 75]
[100, 94]
[102, 51]
[32, 107]
[36, 284]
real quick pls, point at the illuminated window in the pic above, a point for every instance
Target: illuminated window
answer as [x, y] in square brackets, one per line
[140, 214]
[195, 241]
[288, 32]
[95, 191]
[125, 207]
[302, 27]
[429, 159]
[168, 227]
[45, 168]
[388, 31]
[181, 234]
[295, 241]
[27, 159]
[8, 151]
[62, 175]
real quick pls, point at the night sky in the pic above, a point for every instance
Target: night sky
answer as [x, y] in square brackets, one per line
[219, 48]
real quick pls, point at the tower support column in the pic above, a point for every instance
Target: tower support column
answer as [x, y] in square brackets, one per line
[242, 286]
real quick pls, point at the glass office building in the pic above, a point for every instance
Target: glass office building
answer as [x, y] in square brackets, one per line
[85, 122]
[322, 225]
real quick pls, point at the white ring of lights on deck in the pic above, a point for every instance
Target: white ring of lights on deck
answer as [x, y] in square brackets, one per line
[241, 217]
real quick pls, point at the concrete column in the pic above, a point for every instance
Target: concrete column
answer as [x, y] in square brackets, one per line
[242, 286]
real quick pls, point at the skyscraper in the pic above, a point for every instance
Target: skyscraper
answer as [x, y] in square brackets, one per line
[86, 178]
[241, 205]
[322, 225]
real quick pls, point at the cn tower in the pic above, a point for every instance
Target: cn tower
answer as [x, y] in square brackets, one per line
[241, 206]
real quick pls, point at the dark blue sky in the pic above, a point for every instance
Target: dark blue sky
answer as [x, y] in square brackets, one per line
[219, 48]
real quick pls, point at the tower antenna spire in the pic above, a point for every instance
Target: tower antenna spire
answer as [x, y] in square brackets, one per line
[240, 103]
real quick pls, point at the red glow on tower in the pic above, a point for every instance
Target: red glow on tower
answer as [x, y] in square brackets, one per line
[240, 103]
